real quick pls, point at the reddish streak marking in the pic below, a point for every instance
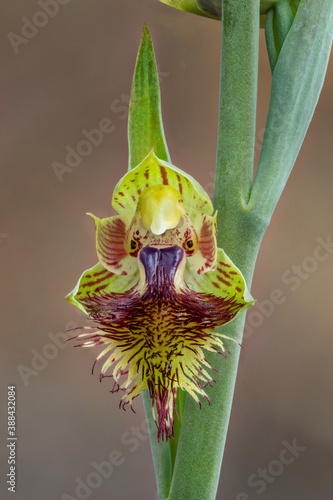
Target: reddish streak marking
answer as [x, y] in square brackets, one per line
[146, 174]
[224, 264]
[139, 191]
[133, 198]
[121, 205]
[121, 193]
[223, 281]
[238, 289]
[180, 187]
[232, 272]
[107, 255]
[164, 175]
[94, 283]
[88, 275]
[226, 275]
[215, 284]
[101, 272]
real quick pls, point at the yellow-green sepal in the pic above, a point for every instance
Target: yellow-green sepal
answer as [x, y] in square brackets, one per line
[225, 281]
[98, 280]
[152, 171]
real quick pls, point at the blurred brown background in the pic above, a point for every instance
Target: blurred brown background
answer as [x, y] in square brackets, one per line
[75, 71]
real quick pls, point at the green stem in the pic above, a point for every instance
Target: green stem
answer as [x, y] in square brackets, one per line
[238, 99]
[160, 452]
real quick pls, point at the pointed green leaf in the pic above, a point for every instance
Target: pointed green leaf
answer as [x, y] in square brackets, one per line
[145, 127]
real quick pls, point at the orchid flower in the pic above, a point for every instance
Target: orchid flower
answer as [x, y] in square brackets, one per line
[160, 289]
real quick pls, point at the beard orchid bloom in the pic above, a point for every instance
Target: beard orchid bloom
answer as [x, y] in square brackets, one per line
[160, 289]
